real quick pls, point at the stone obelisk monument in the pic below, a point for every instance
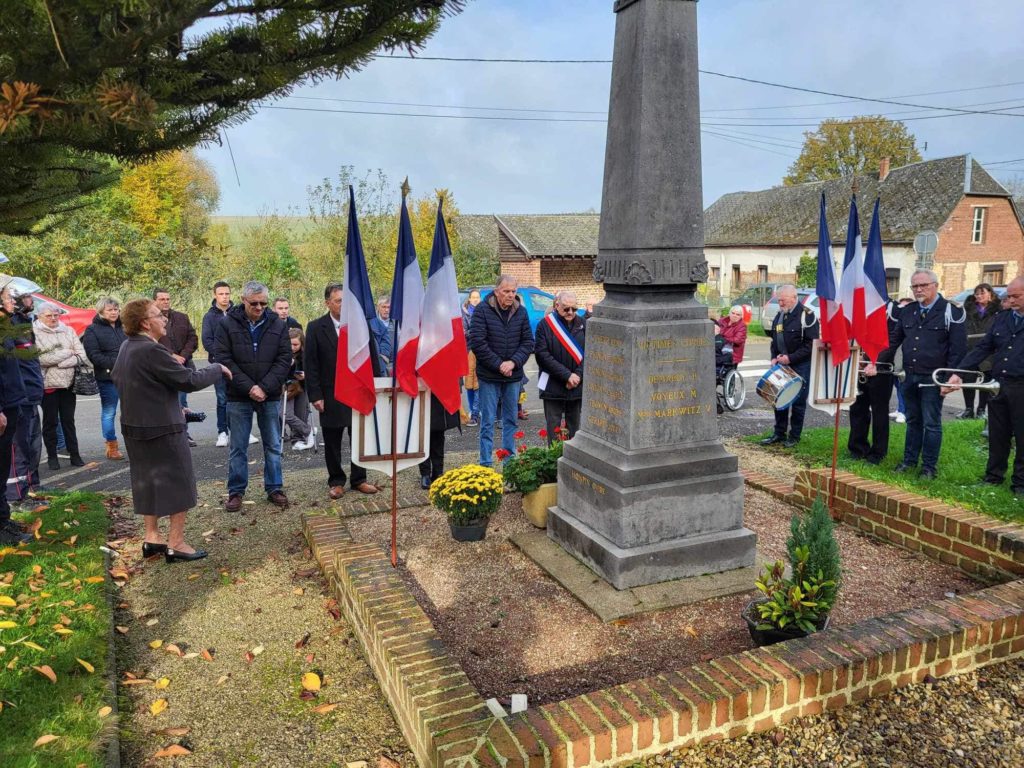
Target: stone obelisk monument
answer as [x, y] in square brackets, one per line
[646, 492]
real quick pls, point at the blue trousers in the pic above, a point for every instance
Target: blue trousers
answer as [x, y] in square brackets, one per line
[792, 419]
[221, 388]
[924, 421]
[493, 394]
[108, 408]
[268, 416]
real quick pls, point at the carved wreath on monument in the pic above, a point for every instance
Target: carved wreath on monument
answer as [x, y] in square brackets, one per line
[638, 274]
[699, 272]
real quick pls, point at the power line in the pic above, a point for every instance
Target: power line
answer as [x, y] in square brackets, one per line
[1005, 162]
[712, 73]
[453, 106]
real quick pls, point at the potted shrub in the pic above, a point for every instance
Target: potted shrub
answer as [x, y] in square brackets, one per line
[533, 472]
[799, 605]
[468, 496]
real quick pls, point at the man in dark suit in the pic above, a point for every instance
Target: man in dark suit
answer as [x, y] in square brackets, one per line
[794, 330]
[321, 360]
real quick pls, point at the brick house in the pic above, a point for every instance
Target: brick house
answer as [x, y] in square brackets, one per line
[759, 237]
[753, 237]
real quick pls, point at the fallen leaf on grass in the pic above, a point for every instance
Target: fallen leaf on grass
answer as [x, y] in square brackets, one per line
[62, 630]
[122, 630]
[7, 602]
[323, 709]
[222, 679]
[298, 591]
[210, 532]
[137, 681]
[257, 650]
[162, 683]
[7, 624]
[174, 750]
[387, 762]
[311, 681]
[172, 648]
[46, 672]
[45, 740]
[88, 667]
[157, 707]
[104, 711]
[305, 639]
[307, 695]
[207, 653]
[690, 631]
[94, 580]
[193, 576]
[152, 622]
[154, 644]
[33, 646]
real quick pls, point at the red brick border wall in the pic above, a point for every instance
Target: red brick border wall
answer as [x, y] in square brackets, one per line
[983, 547]
[447, 723]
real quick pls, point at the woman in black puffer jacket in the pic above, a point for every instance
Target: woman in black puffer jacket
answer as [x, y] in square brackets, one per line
[102, 341]
[981, 309]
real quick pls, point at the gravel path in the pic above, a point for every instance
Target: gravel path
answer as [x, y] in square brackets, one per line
[259, 589]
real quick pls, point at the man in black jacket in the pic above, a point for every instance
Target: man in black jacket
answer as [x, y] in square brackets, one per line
[794, 330]
[1005, 341]
[12, 398]
[218, 309]
[180, 339]
[933, 335]
[252, 342]
[320, 362]
[870, 411]
[501, 339]
[559, 352]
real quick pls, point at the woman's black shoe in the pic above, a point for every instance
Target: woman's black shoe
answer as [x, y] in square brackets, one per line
[171, 556]
[76, 461]
[149, 550]
[53, 463]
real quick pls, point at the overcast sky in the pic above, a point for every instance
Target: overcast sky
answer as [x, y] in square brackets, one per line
[906, 50]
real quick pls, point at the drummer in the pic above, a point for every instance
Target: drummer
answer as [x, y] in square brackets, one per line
[794, 330]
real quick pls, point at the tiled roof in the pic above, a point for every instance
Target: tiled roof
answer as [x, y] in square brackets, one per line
[540, 235]
[478, 230]
[914, 197]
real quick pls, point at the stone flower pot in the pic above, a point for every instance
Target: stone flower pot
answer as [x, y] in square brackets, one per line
[762, 637]
[536, 504]
[475, 530]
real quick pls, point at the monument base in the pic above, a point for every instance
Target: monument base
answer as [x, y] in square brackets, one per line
[652, 563]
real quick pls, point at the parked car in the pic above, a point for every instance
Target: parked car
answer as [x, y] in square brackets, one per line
[75, 318]
[805, 296]
[961, 297]
[537, 302]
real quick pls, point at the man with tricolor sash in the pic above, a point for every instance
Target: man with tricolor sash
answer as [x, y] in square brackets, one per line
[559, 351]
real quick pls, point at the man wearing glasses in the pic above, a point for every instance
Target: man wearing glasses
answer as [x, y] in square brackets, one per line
[252, 342]
[933, 335]
[559, 351]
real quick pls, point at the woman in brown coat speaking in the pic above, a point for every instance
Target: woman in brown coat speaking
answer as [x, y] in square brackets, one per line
[148, 380]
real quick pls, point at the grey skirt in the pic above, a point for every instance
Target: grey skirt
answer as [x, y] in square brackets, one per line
[163, 482]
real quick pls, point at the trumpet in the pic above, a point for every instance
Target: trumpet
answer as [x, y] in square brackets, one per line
[992, 387]
[880, 367]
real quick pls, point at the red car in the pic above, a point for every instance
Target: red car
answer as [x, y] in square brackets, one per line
[73, 317]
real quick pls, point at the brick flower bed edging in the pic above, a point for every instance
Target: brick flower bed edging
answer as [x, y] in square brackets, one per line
[987, 549]
[447, 723]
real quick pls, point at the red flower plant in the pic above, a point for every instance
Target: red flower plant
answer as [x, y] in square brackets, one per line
[502, 454]
[542, 433]
[519, 435]
[521, 448]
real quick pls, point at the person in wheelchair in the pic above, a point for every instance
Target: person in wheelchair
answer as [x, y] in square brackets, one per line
[730, 339]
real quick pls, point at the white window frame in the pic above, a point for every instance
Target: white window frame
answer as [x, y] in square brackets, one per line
[978, 224]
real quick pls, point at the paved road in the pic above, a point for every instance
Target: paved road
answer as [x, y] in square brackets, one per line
[211, 462]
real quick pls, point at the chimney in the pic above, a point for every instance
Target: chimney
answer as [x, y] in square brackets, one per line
[883, 169]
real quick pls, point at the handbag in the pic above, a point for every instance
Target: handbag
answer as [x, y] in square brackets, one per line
[84, 382]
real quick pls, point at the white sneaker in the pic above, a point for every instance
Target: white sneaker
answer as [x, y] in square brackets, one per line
[222, 440]
[311, 440]
[253, 439]
[901, 419]
[894, 414]
[302, 446]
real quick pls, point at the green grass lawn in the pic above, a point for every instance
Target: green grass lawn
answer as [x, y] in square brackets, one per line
[961, 467]
[61, 615]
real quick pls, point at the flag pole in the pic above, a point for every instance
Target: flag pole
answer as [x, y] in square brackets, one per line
[835, 447]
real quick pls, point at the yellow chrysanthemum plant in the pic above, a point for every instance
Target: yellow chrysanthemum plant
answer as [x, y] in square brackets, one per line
[467, 494]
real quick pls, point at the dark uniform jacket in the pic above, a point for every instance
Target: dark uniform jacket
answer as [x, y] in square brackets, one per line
[263, 359]
[12, 387]
[320, 365]
[798, 333]
[556, 362]
[31, 371]
[181, 337]
[497, 335]
[102, 342]
[1007, 346]
[211, 320]
[927, 342]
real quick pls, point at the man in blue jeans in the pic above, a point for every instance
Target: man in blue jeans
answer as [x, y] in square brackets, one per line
[933, 335]
[214, 315]
[501, 339]
[252, 342]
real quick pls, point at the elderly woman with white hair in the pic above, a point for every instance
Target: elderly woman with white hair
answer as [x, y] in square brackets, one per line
[60, 352]
[733, 334]
[102, 341]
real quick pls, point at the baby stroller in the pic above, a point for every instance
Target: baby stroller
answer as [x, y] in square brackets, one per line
[729, 387]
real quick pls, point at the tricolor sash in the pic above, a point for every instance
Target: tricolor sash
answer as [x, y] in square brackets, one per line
[567, 342]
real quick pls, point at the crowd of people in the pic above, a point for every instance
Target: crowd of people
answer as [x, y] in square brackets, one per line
[267, 369]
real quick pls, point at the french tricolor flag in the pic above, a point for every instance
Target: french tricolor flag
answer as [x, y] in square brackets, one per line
[851, 290]
[353, 380]
[834, 330]
[442, 358]
[406, 304]
[871, 330]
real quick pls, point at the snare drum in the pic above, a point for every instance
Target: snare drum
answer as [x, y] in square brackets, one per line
[780, 386]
